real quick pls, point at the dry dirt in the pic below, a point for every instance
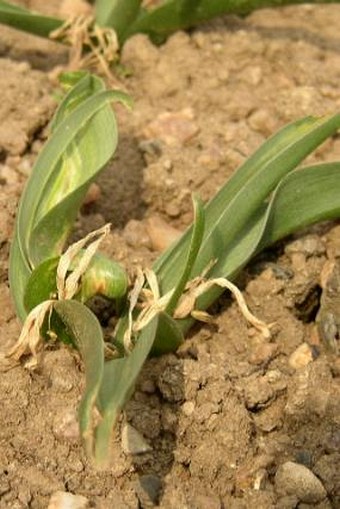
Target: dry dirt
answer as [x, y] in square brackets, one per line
[234, 422]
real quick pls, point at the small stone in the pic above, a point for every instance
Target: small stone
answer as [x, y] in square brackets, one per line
[294, 479]
[64, 500]
[263, 122]
[148, 490]
[171, 384]
[136, 234]
[172, 209]
[174, 128]
[188, 408]
[263, 353]
[66, 425]
[133, 442]
[93, 194]
[161, 234]
[301, 357]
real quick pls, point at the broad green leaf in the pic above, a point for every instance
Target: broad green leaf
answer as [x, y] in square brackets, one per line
[84, 137]
[229, 212]
[304, 197]
[23, 19]
[42, 284]
[81, 145]
[86, 333]
[173, 15]
[118, 383]
[169, 336]
[117, 14]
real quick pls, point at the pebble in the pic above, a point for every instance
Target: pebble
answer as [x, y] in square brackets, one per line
[161, 234]
[93, 194]
[171, 384]
[148, 490]
[66, 425]
[261, 391]
[133, 442]
[136, 235]
[188, 408]
[301, 357]
[263, 353]
[294, 479]
[262, 120]
[64, 500]
[174, 128]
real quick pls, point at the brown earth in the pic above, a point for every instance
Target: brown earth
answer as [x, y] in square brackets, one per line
[232, 419]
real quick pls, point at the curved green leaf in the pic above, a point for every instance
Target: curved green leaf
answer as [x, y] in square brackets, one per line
[86, 333]
[304, 197]
[173, 15]
[118, 383]
[191, 256]
[23, 19]
[84, 137]
[230, 211]
[117, 14]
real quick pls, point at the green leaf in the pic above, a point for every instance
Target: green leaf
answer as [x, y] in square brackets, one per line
[23, 19]
[194, 247]
[117, 14]
[84, 137]
[173, 15]
[304, 197]
[169, 336]
[86, 333]
[42, 284]
[119, 380]
[233, 207]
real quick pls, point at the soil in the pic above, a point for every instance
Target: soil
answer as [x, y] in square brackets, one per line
[230, 413]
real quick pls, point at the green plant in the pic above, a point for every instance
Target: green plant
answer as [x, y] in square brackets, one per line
[265, 200]
[128, 17]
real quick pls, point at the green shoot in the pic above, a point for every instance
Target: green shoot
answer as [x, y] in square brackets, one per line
[267, 198]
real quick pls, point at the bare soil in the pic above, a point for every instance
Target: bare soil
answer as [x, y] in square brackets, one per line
[227, 412]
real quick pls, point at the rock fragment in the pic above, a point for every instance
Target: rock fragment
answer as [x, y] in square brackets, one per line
[148, 490]
[161, 234]
[301, 357]
[297, 480]
[133, 442]
[64, 500]
[174, 128]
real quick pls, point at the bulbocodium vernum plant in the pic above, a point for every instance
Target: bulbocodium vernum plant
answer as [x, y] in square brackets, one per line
[266, 199]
